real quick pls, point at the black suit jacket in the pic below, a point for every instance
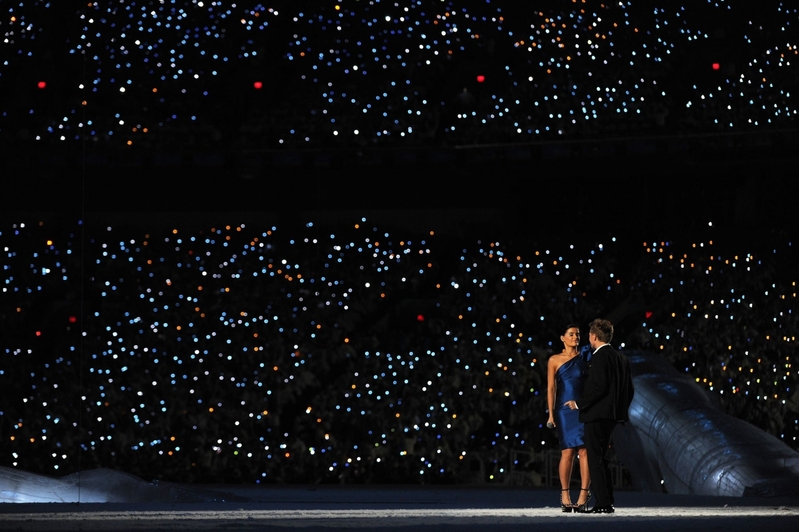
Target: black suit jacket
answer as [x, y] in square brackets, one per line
[608, 389]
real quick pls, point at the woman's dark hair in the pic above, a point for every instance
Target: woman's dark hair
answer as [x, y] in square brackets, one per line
[569, 326]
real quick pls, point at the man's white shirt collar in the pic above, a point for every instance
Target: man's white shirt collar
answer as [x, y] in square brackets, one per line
[600, 347]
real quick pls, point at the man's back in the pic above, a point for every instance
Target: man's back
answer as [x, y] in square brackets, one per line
[608, 390]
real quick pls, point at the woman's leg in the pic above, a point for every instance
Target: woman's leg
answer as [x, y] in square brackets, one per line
[565, 472]
[585, 475]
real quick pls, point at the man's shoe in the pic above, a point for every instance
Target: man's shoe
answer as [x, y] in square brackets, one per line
[601, 510]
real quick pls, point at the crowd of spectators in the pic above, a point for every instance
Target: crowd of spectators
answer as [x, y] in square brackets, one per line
[350, 352]
[257, 75]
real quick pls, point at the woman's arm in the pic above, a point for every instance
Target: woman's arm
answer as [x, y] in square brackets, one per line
[552, 367]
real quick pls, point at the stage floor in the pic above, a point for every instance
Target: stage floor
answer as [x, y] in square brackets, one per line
[401, 508]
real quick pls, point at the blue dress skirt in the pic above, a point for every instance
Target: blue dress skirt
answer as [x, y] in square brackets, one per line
[569, 381]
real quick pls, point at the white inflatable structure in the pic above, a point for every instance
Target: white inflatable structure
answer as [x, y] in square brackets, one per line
[679, 441]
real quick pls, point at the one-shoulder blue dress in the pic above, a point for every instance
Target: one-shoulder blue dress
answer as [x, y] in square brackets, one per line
[569, 381]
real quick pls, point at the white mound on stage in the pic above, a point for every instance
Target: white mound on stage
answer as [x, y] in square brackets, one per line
[98, 485]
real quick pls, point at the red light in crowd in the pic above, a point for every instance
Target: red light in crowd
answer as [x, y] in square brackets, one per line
[716, 66]
[481, 78]
[42, 84]
[258, 85]
[419, 317]
[648, 314]
[73, 319]
[38, 333]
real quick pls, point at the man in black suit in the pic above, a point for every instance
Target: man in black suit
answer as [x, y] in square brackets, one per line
[607, 394]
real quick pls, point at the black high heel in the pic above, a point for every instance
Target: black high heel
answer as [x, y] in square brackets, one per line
[583, 508]
[565, 508]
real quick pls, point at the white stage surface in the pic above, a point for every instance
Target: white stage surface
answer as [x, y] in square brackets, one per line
[395, 509]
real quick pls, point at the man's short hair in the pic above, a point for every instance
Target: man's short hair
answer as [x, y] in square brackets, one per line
[602, 329]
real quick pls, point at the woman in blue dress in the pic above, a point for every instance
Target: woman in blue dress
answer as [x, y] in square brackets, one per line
[566, 373]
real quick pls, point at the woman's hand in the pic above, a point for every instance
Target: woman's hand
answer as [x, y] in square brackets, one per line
[571, 404]
[551, 423]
